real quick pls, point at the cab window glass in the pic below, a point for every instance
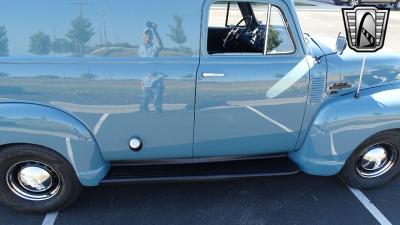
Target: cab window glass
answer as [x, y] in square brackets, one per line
[237, 28]
[240, 28]
[279, 38]
[234, 15]
[260, 11]
[217, 14]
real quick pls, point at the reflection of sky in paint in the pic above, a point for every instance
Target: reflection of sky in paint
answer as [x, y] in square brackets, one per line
[294, 75]
[125, 20]
[387, 98]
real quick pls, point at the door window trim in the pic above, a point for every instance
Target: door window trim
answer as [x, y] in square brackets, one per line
[288, 31]
[204, 33]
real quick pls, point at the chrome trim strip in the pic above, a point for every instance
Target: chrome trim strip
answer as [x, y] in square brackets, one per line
[205, 75]
[267, 29]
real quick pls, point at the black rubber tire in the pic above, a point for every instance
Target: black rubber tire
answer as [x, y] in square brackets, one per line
[70, 185]
[349, 173]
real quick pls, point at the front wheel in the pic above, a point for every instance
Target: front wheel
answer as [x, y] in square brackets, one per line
[36, 179]
[374, 163]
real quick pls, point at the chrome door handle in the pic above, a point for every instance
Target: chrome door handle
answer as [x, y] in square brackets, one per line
[205, 75]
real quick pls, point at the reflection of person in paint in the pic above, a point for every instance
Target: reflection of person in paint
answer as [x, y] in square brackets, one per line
[149, 49]
[153, 87]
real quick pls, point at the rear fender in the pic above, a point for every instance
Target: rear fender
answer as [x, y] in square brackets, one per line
[25, 123]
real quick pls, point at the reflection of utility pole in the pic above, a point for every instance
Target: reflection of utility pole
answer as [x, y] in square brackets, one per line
[54, 38]
[116, 37]
[82, 3]
[104, 23]
[101, 35]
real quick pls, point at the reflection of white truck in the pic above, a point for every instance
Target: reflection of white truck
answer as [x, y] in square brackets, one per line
[394, 3]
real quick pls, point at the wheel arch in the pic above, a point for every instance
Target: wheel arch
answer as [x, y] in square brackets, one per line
[35, 124]
[343, 124]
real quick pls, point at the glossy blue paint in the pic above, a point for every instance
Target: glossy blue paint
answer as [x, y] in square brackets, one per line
[334, 127]
[57, 130]
[381, 68]
[86, 99]
[241, 113]
[343, 124]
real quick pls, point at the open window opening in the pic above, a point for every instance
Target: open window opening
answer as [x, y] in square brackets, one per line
[241, 28]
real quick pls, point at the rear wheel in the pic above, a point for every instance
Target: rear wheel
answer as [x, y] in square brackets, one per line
[36, 179]
[375, 162]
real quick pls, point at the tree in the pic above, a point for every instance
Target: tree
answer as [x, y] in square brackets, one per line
[40, 43]
[62, 45]
[177, 34]
[273, 39]
[3, 42]
[80, 33]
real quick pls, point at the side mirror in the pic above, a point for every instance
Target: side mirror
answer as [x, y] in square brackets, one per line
[341, 44]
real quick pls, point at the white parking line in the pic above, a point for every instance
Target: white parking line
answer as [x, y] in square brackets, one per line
[50, 218]
[100, 123]
[370, 206]
[269, 119]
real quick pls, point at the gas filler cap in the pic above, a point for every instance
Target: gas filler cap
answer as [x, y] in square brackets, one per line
[135, 144]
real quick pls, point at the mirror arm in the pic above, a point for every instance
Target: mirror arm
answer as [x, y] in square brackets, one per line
[318, 58]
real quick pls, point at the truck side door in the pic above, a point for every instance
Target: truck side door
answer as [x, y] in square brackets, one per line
[250, 102]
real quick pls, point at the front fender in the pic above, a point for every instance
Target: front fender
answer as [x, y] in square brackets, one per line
[343, 124]
[49, 127]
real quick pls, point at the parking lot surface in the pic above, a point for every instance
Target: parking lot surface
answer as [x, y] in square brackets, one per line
[295, 199]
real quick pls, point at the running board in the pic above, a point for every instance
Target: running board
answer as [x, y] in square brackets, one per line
[258, 167]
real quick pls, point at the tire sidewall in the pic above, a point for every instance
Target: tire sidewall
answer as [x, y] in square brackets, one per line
[349, 172]
[69, 184]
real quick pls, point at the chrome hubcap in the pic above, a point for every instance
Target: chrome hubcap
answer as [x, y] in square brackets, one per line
[377, 160]
[32, 180]
[354, 2]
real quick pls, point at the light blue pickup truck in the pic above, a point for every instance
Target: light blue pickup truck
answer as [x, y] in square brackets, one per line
[130, 91]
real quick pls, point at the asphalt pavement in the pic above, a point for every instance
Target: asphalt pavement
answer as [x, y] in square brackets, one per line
[295, 199]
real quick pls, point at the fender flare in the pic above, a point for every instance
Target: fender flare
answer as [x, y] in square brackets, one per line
[28, 123]
[342, 124]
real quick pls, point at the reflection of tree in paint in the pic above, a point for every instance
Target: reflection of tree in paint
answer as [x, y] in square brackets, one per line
[40, 44]
[3, 42]
[62, 45]
[80, 33]
[177, 35]
[2, 74]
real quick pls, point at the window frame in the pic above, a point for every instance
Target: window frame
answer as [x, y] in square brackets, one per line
[287, 28]
[206, 14]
